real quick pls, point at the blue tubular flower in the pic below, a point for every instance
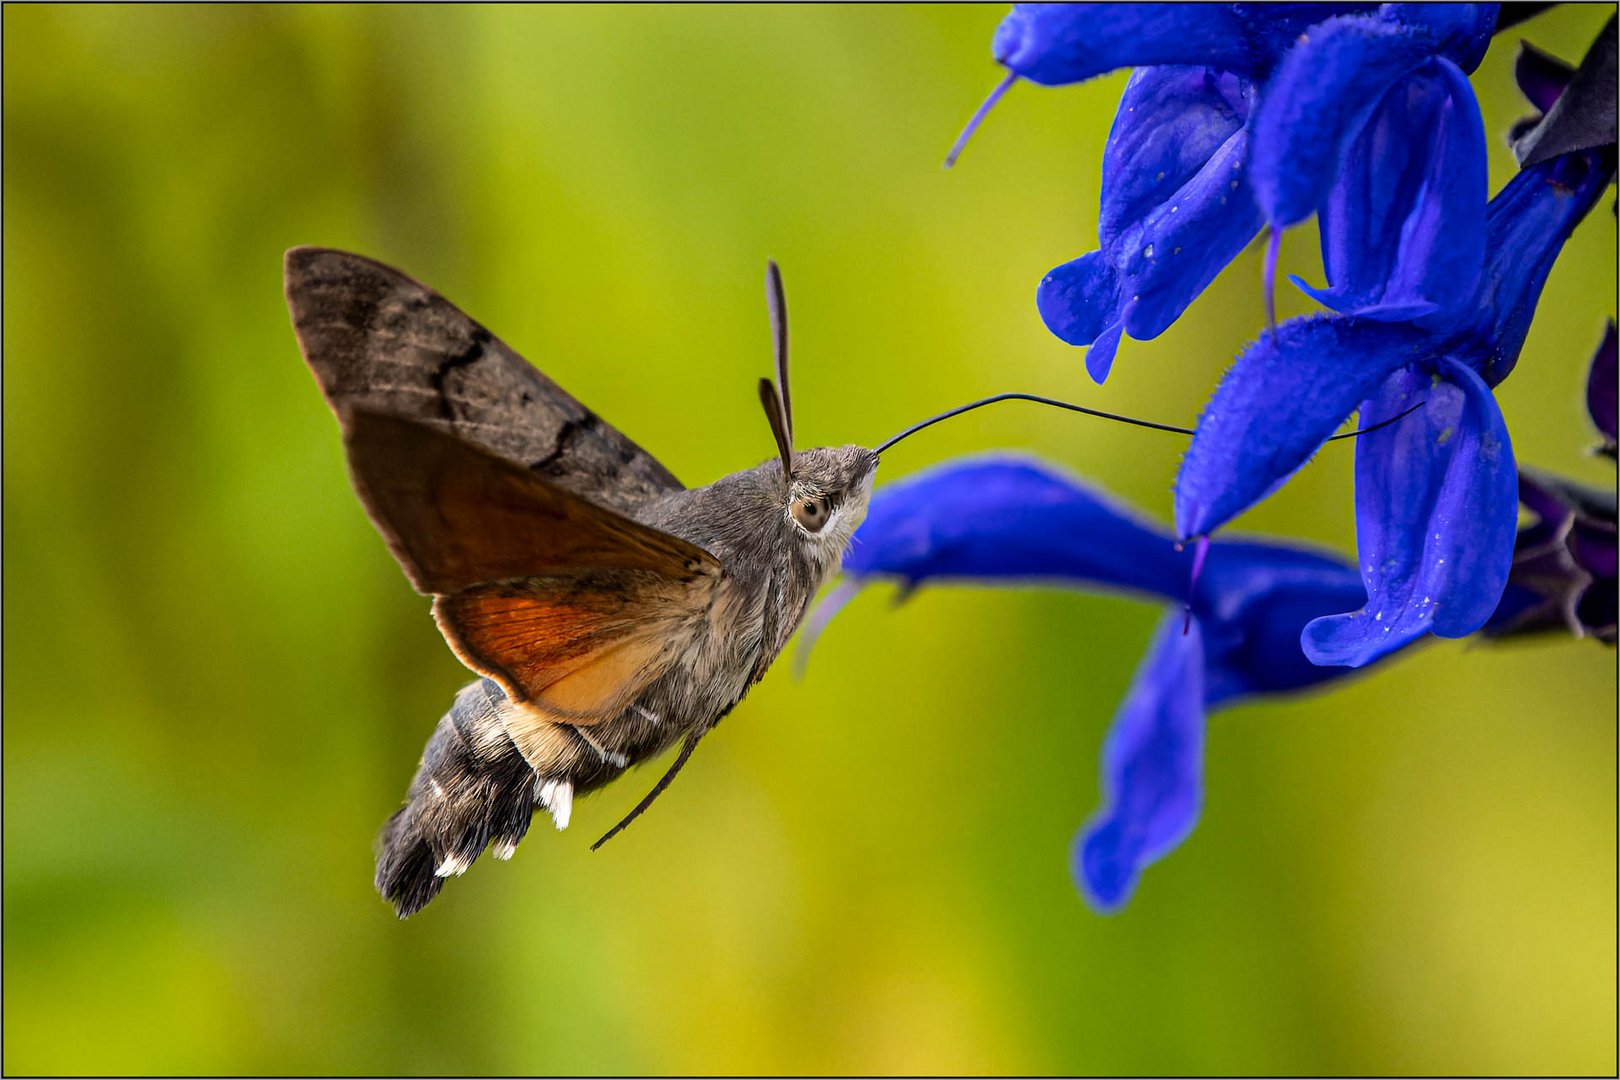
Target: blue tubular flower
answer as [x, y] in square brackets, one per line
[1243, 640]
[1403, 228]
[997, 520]
[1287, 393]
[1054, 44]
[1437, 484]
[1175, 211]
[1017, 520]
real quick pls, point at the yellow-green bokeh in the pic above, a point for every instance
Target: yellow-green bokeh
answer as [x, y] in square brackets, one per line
[217, 682]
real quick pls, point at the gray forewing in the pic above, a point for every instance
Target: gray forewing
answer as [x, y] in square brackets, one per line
[375, 338]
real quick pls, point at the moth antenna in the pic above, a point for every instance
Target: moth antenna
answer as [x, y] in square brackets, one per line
[772, 401]
[776, 302]
[978, 118]
[1101, 415]
[658, 788]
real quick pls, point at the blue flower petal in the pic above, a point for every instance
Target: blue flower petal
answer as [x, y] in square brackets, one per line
[1253, 600]
[1252, 603]
[1403, 230]
[1171, 121]
[1327, 86]
[1152, 770]
[1100, 357]
[1079, 301]
[1178, 248]
[1003, 519]
[1317, 101]
[1281, 400]
[1054, 44]
[1436, 515]
[1459, 32]
[1175, 211]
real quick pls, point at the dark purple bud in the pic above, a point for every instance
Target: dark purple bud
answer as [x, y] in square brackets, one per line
[1564, 562]
[1541, 76]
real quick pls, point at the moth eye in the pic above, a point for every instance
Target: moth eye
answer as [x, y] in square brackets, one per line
[811, 513]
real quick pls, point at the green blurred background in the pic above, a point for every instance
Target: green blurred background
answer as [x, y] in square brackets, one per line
[217, 682]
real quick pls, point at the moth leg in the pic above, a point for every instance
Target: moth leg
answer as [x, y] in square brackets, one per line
[556, 794]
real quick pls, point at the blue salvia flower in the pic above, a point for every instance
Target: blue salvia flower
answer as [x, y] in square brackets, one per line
[1014, 521]
[1367, 115]
[1244, 116]
[1435, 490]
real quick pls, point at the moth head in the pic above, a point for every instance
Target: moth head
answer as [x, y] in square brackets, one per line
[828, 493]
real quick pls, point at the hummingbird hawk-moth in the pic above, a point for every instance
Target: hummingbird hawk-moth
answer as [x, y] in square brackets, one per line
[609, 611]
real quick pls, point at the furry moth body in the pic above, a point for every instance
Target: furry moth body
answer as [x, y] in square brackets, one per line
[609, 611]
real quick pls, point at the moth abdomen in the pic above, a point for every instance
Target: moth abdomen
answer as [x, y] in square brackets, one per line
[473, 788]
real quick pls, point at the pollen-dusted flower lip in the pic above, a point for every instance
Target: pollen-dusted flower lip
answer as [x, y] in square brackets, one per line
[1435, 516]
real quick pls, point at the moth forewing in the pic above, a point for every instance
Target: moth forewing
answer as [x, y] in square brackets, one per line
[377, 339]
